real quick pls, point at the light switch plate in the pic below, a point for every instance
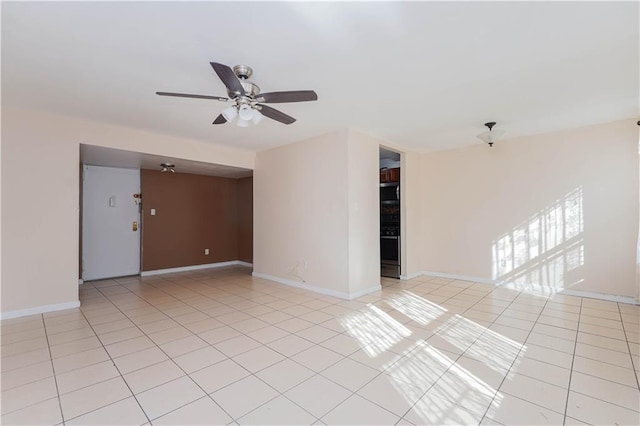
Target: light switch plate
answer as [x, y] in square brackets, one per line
[153, 212]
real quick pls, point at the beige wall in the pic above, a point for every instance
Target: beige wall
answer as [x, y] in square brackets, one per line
[566, 203]
[300, 213]
[364, 212]
[40, 197]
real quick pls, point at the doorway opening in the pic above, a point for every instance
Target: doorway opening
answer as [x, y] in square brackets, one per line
[390, 193]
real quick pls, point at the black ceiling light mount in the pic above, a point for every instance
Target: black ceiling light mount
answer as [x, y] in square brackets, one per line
[167, 167]
[491, 135]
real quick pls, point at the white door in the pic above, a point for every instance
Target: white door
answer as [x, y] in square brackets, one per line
[110, 222]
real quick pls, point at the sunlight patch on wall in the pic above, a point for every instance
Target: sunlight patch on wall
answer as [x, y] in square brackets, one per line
[543, 254]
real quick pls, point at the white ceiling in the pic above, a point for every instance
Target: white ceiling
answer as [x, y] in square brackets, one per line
[422, 75]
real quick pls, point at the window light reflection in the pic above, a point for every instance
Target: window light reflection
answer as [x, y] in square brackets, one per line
[415, 307]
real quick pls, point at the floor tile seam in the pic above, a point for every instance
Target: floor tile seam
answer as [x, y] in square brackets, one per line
[53, 369]
[366, 399]
[633, 366]
[121, 377]
[4, 334]
[605, 401]
[100, 408]
[525, 400]
[634, 387]
[4, 355]
[3, 413]
[573, 359]
[510, 367]
[602, 360]
[281, 394]
[68, 331]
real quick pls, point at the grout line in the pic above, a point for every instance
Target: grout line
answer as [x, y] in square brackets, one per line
[573, 359]
[633, 366]
[53, 368]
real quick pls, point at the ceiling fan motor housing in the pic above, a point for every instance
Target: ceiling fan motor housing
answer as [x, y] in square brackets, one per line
[243, 72]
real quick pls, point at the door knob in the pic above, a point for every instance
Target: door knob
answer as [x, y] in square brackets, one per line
[135, 225]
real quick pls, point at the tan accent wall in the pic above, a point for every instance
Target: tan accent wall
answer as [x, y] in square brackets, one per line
[193, 213]
[245, 219]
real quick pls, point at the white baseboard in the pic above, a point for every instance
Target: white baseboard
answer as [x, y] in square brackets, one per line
[315, 289]
[587, 294]
[461, 277]
[601, 296]
[194, 268]
[39, 310]
[410, 276]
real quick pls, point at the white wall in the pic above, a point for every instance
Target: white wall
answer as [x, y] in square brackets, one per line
[40, 197]
[580, 185]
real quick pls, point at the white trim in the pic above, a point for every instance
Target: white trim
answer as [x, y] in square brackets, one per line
[411, 276]
[315, 289]
[461, 277]
[39, 310]
[578, 293]
[601, 296]
[194, 268]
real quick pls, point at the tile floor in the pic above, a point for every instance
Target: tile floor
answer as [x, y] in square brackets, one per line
[221, 347]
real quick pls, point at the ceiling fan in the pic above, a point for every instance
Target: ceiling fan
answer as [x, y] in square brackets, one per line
[248, 103]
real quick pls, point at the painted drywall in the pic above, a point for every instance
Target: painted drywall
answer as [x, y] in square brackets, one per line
[301, 214]
[245, 219]
[40, 197]
[556, 211]
[364, 212]
[192, 213]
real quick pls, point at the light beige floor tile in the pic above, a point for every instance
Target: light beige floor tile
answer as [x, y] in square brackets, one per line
[606, 371]
[124, 412]
[169, 335]
[615, 393]
[598, 412]
[120, 335]
[21, 347]
[219, 334]
[219, 375]
[615, 323]
[290, 345]
[93, 397]
[268, 334]
[29, 358]
[435, 410]
[43, 413]
[169, 396]
[510, 410]
[70, 336]
[86, 376]
[79, 360]
[201, 412]
[249, 325]
[318, 395]
[550, 342]
[294, 325]
[602, 331]
[512, 333]
[156, 326]
[200, 358]
[25, 375]
[543, 371]
[182, 346]
[203, 325]
[237, 345]
[358, 411]
[535, 391]
[152, 376]
[317, 358]
[285, 375]
[605, 355]
[392, 394]
[29, 394]
[278, 411]
[350, 374]
[603, 342]
[76, 346]
[342, 344]
[130, 346]
[22, 336]
[258, 359]
[137, 360]
[244, 396]
[110, 326]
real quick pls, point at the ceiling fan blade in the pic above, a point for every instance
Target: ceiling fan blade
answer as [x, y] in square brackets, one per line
[220, 119]
[274, 114]
[228, 77]
[290, 96]
[187, 95]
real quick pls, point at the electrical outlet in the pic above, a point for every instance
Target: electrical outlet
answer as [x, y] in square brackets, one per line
[206, 252]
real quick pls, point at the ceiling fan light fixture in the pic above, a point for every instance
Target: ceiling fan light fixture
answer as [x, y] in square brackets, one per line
[167, 167]
[245, 112]
[257, 117]
[230, 113]
[491, 135]
[242, 122]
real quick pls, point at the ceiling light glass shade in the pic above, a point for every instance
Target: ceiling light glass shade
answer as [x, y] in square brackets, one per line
[243, 123]
[245, 112]
[491, 136]
[229, 113]
[164, 169]
[257, 116]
